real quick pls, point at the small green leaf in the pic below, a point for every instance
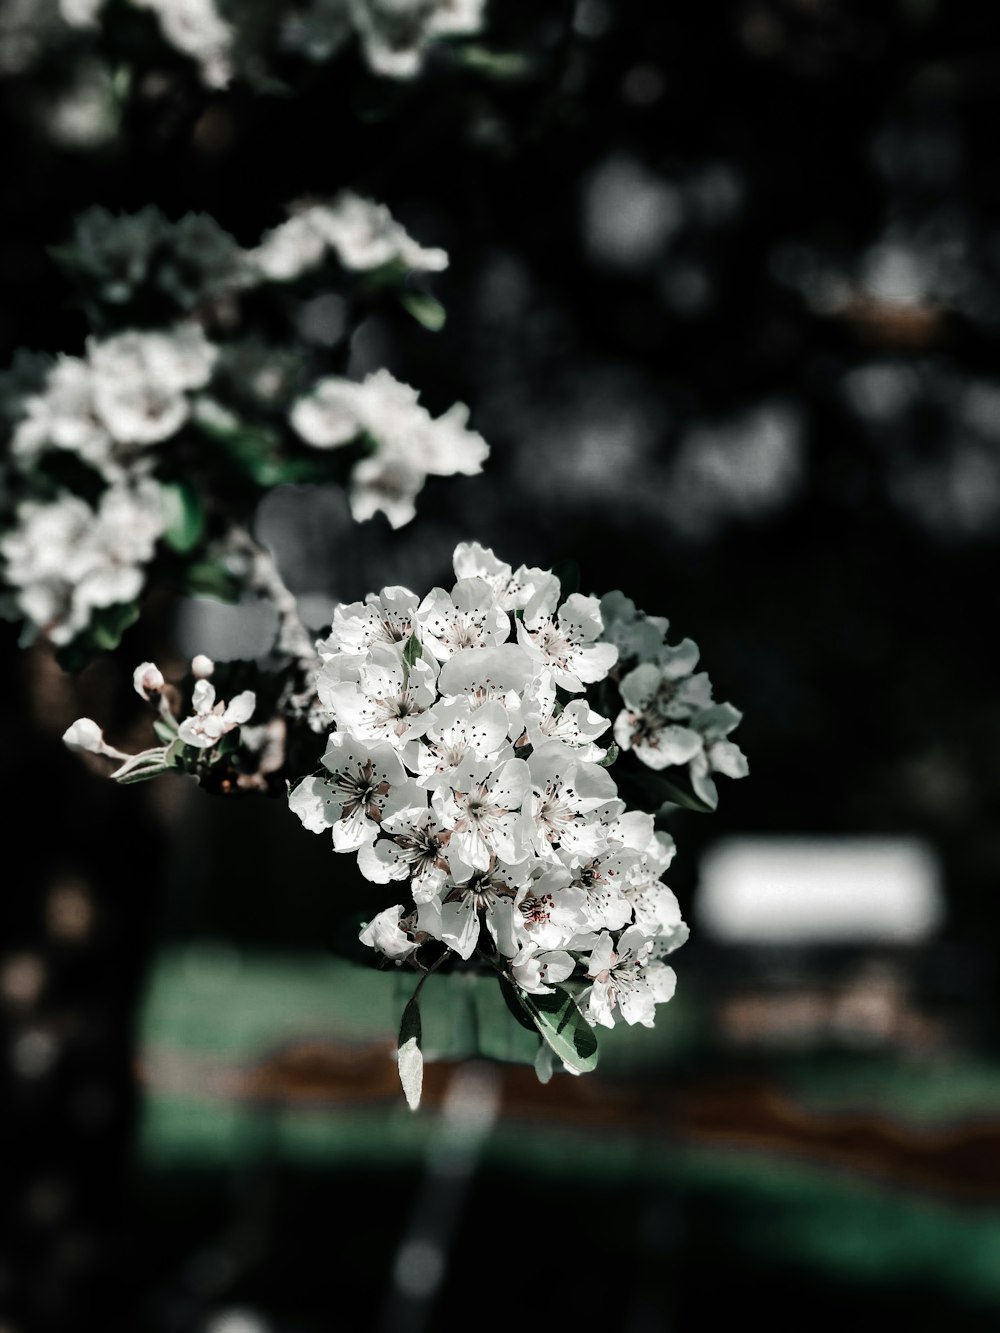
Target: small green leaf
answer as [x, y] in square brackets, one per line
[143, 774]
[140, 767]
[111, 622]
[208, 578]
[563, 1028]
[166, 732]
[610, 757]
[512, 998]
[651, 791]
[424, 309]
[174, 754]
[107, 625]
[185, 516]
[495, 64]
[411, 653]
[497, 1037]
[409, 1058]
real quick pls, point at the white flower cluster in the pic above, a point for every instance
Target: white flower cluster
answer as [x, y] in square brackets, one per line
[117, 407]
[129, 392]
[65, 560]
[193, 27]
[457, 769]
[409, 444]
[189, 744]
[669, 716]
[362, 235]
[393, 34]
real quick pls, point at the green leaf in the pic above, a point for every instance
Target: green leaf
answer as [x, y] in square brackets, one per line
[107, 625]
[495, 64]
[651, 791]
[208, 578]
[165, 731]
[175, 752]
[185, 516]
[409, 1058]
[512, 998]
[610, 757]
[143, 774]
[497, 1037]
[568, 574]
[424, 309]
[411, 653]
[258, 453]
[563, 1028]
[143, 766]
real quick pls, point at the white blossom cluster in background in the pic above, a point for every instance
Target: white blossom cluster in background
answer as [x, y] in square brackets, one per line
[669, 717]
[65, 560]
[467, 764]
[409, 444]
[393, 35]
[145, 408]
[129, 392]
[362, 235]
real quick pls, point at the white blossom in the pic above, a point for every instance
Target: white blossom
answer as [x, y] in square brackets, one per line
[390, 700]
[458, 912]
[147, 678]
[482, 674]
[196, 28]
[567, 641]
[386, 933]
[64, 416]
[532, 967]
[576, 726]
[362, 235]
[414, 849]
[459, 733]
[483, 808]
[289, 250]
[550, 911]
[513, 590]
[386, 617]
[140, 381]
[626, 979]
[572, 803]
[327, 416]
[366, 784]
[212, 720]
[365, 236]
[467, 617]
[635, 635]
[395, 33]
[409, 444]
[658, 698]
[65, 560]
[716, 754]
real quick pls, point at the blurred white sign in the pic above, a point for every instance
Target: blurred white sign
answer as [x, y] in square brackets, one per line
[819, 891]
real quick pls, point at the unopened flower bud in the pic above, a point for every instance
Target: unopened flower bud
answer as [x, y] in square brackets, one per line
[202, 666]
[147, 679]
[84, 734]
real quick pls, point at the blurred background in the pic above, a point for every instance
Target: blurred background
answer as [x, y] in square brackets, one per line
[724, 298]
